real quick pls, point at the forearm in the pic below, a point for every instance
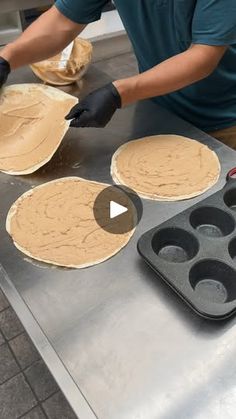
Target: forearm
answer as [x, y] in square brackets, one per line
[46, 37]
[171, 75]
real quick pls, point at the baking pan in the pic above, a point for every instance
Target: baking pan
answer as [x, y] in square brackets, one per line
[195, 253]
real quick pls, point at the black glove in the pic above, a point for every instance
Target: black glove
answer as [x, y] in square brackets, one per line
[4, 71]
[96, 109]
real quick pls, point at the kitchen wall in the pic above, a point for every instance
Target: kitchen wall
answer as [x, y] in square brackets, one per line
[21, 13]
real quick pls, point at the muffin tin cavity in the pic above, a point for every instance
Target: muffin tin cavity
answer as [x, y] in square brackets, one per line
[195, 253]
[175, 245]
[213, 281]
[212, 222]
[232, 249]
[230, 199]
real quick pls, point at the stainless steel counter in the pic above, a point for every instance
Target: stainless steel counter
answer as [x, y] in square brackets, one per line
[120, 343]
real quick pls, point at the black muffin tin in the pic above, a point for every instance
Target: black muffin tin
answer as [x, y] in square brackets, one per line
[195, 253]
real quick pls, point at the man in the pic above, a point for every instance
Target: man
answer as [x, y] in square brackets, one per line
[186, 51]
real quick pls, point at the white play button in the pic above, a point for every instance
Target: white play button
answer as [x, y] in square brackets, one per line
[116, 209]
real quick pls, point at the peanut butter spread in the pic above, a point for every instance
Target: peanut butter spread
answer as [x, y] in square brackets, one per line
[166, 167]
[32, 126]
[55, 223]
[50, 72]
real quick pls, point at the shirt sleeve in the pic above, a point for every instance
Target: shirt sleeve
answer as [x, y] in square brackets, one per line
[214, 22]
[81, 11]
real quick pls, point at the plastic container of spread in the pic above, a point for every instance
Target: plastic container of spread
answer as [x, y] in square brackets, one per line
[67, 67]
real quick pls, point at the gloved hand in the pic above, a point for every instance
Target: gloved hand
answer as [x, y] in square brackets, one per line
[4, 71]
[96, 109]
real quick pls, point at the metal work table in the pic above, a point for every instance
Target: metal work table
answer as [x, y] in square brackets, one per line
[119, 342]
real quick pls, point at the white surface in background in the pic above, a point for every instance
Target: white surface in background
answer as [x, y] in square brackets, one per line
[109, 25]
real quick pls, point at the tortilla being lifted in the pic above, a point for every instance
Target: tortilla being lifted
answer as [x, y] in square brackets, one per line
[32, 126]
[166, 167]
[55, 223]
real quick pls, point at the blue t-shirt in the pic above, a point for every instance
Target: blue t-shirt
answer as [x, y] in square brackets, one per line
[160, 29]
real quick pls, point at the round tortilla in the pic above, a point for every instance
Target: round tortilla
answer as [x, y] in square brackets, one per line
[165, 167]
[54, 223]
[32, 126]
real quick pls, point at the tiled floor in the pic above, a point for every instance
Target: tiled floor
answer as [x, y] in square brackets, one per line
[27, 389]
